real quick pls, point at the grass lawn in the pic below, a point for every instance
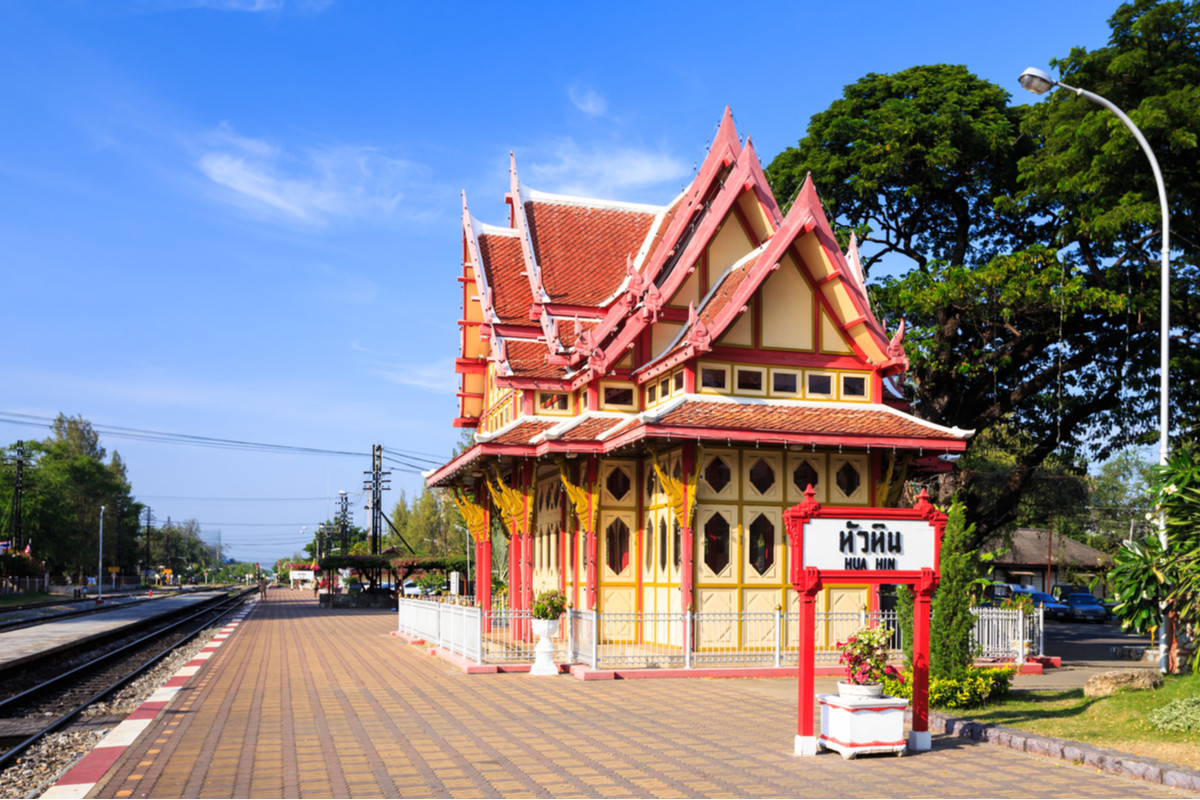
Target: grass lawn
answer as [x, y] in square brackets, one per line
[1118, 721]
[27, 597]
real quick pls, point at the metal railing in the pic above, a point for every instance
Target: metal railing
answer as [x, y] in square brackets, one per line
[633, 640]
[1008, 632]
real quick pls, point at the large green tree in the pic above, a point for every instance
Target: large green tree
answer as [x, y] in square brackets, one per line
[1029, 285]
[67, 480]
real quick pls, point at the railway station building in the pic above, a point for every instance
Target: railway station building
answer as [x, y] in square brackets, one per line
[651, 387]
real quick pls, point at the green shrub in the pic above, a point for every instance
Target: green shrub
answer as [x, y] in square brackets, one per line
[1178, 716]
[972, 689]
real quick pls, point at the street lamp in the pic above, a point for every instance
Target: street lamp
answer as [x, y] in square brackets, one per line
[1039, 82]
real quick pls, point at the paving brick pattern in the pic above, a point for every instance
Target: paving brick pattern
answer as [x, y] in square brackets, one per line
[308, 702]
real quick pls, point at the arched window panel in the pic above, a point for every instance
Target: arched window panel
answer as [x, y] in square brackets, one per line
[803, 469]
[718, 475]
[848, 480]
[764, 475]
[617, 545]
[717, 531]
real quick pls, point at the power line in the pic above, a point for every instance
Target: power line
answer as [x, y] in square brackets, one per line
[166, 437]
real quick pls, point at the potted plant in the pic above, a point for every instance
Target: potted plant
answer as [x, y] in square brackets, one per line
[859, 719]
[864, 657]
[547, 609]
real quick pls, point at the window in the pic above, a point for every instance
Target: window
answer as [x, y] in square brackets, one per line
[678, 544]
[618, 396]
[716, 543]
[848, 479]
[617, 483]
[662, 544]
[552, 401]
[762, 544]
[805, 475]
[716, 378]
[819, 384]
[664, 388]
[677, 381]
[762, 476]
[616, 546]
[854, 386]
[784, 382]
[648, 545]
[750, 380]
[717, 474]
[652, 394]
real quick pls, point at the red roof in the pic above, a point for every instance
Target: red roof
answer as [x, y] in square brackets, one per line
[503, 265]
[582, 250]
[528, 360]
[522, 432]
[802, 418]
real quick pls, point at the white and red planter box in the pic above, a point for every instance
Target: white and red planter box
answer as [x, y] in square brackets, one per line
[853, 726]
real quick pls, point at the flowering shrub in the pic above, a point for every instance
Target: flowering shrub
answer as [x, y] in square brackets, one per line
[972, 689]
[865, 654]
[549, 605]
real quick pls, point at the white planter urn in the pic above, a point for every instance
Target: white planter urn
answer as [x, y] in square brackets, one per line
[543, 661]
[860, 719]
[859, 691]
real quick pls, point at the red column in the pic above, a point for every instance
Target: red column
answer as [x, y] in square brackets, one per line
[687, 569]
[593, 520]
[806, 739]
[919, 738]
[527, 548]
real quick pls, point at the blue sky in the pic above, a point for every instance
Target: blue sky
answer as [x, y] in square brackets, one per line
[240, 218]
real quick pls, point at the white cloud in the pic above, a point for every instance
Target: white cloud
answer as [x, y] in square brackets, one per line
[310, 186]
[436, 377]
[602, 171]
[588, 102]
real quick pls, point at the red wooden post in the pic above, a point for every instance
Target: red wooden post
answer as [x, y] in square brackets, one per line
[806, 738]
[687, 570]
[592, 468]
[919, 738]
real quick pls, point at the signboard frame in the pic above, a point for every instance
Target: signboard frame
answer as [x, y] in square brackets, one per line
[808, 580]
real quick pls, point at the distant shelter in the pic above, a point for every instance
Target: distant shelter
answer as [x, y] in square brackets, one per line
[651, 387]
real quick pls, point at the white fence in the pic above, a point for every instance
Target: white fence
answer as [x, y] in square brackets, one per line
[606, 640]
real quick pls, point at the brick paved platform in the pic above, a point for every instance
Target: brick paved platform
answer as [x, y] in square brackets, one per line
[310, 702]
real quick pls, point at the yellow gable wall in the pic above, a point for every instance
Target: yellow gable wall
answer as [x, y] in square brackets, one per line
[756, 216]
[726, 249]
[661, 335]
[831, 337]
[689, 292]
[741, 332]
[787, 308]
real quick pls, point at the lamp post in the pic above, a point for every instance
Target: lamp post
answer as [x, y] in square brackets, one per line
[1039, 82]
[100, 562]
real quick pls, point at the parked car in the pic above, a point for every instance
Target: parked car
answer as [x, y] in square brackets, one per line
[411, 589]
[1051, 608]
[1061, 591]
[1086, 608]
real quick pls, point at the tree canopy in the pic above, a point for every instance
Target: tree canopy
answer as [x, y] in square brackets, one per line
[1021, 241]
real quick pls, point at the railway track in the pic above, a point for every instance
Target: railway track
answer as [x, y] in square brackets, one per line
[60, 695]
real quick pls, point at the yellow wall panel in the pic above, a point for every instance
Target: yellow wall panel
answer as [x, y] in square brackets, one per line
[787, 308]
[726, 249]
[832, 340]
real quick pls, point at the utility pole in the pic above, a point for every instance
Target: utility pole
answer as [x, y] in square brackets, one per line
[344, 521]
[148, 529]
[376, 482]
[18, 461]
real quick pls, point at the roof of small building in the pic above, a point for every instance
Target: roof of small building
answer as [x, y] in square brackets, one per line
[1030, 546]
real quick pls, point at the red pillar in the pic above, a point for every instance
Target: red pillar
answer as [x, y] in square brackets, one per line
[527, 547]
[592, 468]
[919, 738]
[806, 739]
[687, 569]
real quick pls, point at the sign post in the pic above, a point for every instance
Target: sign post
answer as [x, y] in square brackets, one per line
[847, 544]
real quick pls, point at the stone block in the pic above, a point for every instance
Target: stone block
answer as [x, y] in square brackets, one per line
[1105, 683]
